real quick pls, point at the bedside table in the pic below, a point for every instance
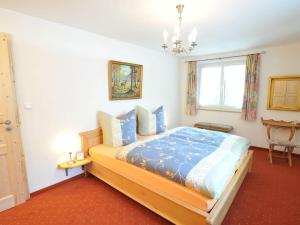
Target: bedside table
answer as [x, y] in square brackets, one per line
[77, 163]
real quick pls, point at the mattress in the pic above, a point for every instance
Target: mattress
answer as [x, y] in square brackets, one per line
[199, 159]
[105, 156]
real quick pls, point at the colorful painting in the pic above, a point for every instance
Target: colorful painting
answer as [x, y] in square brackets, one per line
[125, 80]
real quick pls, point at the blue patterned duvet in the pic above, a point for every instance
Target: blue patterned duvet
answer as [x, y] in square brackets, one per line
[198, 159]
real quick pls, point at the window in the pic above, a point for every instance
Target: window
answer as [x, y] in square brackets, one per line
[221, 85]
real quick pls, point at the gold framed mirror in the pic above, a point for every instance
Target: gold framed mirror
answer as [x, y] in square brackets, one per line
[284, 93]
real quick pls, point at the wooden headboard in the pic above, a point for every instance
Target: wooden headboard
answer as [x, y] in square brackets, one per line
[95, 137]
[90, 139]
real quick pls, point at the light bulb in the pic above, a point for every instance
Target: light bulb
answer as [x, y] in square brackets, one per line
[177, 32]
[191, 39]
[194, 34]
[174, 39]
[165, 35]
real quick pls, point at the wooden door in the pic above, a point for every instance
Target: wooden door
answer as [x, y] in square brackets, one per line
[13, 178]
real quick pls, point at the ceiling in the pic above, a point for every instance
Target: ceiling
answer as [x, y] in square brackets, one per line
[223, 25]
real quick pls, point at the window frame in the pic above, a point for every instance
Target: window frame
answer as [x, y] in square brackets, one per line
[221, 63]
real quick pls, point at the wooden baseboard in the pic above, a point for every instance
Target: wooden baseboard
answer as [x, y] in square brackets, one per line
[257, 148]
[35, 193]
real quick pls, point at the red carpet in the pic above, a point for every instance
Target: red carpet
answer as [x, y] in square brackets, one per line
[270, 195]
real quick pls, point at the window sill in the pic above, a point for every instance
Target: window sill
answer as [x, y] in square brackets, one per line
[232, 110]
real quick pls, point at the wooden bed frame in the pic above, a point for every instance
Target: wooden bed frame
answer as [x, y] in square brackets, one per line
[166, 206]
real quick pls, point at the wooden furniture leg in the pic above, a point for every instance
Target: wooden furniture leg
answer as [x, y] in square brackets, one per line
[290, 151]
[270, 153]
[284, 151]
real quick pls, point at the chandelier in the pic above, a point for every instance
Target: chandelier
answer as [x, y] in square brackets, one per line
[177, 43]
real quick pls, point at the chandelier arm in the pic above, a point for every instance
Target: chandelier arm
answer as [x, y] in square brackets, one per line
[177, 42]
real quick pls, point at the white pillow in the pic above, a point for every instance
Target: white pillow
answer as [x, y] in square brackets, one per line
[151, 122]
[118, 131]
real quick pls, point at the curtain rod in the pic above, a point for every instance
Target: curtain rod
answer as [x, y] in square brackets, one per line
[226, 57]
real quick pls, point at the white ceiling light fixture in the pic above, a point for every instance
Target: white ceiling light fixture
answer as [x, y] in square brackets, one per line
[177, 42]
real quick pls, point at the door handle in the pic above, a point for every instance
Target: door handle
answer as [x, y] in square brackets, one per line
[6, 122]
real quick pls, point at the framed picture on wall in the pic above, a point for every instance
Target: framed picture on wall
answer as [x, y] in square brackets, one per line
[125, 80]
[284, 93]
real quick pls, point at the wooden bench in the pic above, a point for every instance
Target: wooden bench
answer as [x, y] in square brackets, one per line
[214, 126]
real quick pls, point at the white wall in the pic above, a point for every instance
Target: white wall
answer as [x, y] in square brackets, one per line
[279, 60]
[62, 73]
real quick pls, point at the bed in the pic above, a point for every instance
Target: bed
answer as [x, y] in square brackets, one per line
[171, 200]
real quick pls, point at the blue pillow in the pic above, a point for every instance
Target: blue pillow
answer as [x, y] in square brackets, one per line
[160, 120]
[151, 123]
[118, 131]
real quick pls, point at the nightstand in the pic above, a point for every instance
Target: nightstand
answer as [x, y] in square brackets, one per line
[77, 163]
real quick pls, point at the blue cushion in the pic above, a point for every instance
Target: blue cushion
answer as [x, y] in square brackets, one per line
[151, 123]
[160, 120]
[118, 131]
[128, 127]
